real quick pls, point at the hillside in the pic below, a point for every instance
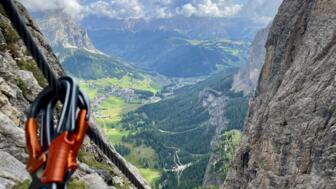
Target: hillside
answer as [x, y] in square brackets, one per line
[76, 52]
[181, 128]
[289, 137]
[171, 53]
[88, 65]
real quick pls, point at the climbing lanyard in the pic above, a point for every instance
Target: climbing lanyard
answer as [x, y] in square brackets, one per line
[53, 148]
[52, 155]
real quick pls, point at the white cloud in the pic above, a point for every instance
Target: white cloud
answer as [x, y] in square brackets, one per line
[163, 12]
[188, 10]
[148, 9]
[151, 9]
[210, 8]
[70, 7]
[121, 9]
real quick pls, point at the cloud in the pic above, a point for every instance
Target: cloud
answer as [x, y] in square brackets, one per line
[163, 12]
[188, 10]
[70, 7]
[210, 8]
[134, 9]
[120, 9]
[153, 9]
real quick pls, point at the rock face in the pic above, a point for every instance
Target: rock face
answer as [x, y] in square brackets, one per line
[289, 139]
[18, 86]
[20, 82]
[11, 170]
[63, 31]
[214, 102]
[246, 79]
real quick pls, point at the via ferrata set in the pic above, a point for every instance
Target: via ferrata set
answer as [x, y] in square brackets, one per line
[53, 149]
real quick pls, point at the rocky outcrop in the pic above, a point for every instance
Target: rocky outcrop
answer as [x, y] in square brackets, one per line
[20, 82]
[246, 79]
[215, 102]
[289, 139]
[18, 86]
[63, 31]
[11, 171]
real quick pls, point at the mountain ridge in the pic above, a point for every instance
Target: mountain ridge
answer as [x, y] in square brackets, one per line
[63, 31]
[171, 53]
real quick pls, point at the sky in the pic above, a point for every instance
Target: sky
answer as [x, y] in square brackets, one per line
[146, 9]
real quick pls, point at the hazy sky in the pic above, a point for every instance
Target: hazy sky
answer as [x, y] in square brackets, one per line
[149, 9]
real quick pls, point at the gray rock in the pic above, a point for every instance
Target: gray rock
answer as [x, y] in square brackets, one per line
[32, 85]
[289, 140]
[62, 31]
[12, 139]
[85, 168]
[94, 181]
[246, 79]
[215, 103]
[11, 170]
[6, 89]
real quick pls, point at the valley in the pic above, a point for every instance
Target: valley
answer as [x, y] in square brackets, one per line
[163, 125]
[164, 129]
[203, 94]
[171, 53]
[111, 98]
[163, 98]
[169, 138]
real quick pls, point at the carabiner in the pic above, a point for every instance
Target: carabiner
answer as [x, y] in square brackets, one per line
[53, 152]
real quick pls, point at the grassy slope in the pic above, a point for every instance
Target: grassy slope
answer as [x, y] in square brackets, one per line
[114, 107]
[88, 65]
[171, 53]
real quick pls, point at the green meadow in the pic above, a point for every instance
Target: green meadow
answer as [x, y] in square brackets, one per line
[111, 110]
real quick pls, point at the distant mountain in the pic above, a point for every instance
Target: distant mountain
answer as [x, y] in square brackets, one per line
[160, 44]
[76, 51]
[64, 32]
[170, 53]
[193, 27]
[242, 25]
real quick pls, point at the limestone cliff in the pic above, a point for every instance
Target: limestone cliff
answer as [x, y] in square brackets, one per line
[62, 31]
[215, 103]
[20, 82]
[247, 78]
[289, 139]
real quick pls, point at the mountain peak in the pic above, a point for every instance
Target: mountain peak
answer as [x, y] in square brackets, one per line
[64, 32]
